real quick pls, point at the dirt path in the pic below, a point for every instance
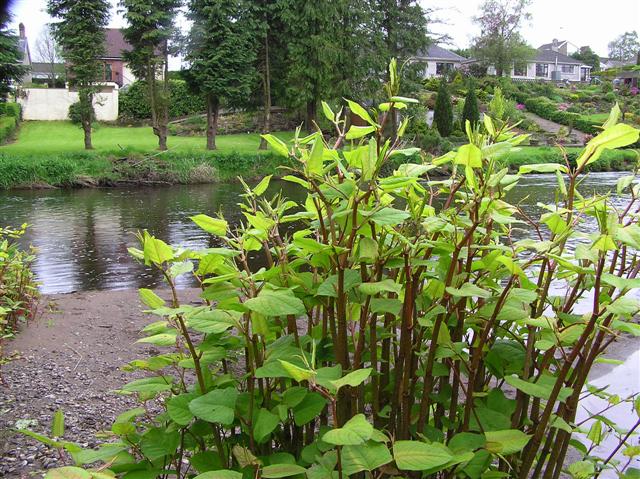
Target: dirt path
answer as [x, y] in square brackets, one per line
[553, 127]
[69, 359]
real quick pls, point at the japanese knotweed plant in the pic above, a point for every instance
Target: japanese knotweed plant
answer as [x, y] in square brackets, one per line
[403, 330]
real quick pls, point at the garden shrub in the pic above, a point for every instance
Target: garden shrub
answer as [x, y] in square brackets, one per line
[443, 112]
[401, 331]
[7, 128]
[12, 109]
[546, 108]
[133, 104]
[471, 113]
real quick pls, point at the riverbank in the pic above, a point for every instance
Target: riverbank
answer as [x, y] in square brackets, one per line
[71, 359]
[126, 167]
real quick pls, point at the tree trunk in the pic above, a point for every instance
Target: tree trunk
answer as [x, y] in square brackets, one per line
[266, 85]
[158, 119]
[213, 109]
[310, 119]
[86, 105]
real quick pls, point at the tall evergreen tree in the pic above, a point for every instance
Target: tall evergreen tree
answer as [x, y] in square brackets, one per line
[403, 25]
[443, 112]
[80, 33]
[222, 56]
[312, 30]
[470, 111]
[151, 24]
[11, 70]
[271, 45]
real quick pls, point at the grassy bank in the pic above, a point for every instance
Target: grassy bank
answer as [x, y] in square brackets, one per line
[48, 153]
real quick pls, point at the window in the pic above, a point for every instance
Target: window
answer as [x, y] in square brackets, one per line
[520, 69]
[442, 68]
[107, 72]
[567, 68]
[542, 69]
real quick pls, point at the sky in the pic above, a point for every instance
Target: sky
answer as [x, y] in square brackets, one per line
[581, 22]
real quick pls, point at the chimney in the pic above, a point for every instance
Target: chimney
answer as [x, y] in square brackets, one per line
[22, 31]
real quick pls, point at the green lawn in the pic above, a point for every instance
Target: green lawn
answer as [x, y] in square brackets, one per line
[598, 117]
[53, 137]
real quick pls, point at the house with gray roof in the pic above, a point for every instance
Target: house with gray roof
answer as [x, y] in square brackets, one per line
[438, 61]
[551, 63]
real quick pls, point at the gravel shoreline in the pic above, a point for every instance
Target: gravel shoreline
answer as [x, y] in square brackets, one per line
[68, 359]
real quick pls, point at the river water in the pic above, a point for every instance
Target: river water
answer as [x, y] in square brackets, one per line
[82, 238]
[82, 235]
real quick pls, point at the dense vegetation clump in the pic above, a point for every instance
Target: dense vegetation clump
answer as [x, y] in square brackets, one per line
[402, 330]
[18, 290]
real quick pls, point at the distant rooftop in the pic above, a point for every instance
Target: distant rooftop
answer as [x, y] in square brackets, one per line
[115, 44]
[436, 52]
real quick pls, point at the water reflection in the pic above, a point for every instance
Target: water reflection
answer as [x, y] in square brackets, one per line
[82, 235]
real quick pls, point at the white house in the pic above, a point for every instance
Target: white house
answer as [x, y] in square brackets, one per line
[438, 61]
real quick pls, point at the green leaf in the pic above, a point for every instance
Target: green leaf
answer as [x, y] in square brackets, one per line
[162, 339]
[625, 305]
[314, 163]
[328, 112]
[540, 389]
[216, 406]
[156, 251]
[543, 168]
[615, 136]
[356, 132]
[356, 431]
[57, 425]
[277, 145]
[279, 302]
[159, 442]
[276, 471]
[178, 408]
[214, 226]
[389, 217]
[297, 372]
[403, 99]
[372, 289]
[614, 117]
[309, 408]
[220, 474]
[364, 457]
[68, 472]
[468, 290]
[261, 187]
[150, 298]
[265, 424]
[419, 456]
[353, 379]
[149, 385]
[359, 111]
[213, 322]
[469, 155]
[506, 442]
[582, 469]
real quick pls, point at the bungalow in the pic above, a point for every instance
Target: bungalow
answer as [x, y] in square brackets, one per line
[115, 68]
[551, 63]
[438, 61]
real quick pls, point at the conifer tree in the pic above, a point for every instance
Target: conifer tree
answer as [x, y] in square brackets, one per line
[443, 112]
[11, 70]
[79, 31]
[222, 55]
[470, 111]
[150, 27]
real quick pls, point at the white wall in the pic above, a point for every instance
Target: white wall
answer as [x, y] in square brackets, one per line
[430, 70]
[53, 103]
[127, 75]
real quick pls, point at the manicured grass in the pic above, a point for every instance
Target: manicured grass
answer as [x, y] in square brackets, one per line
[598, 118]
[611, 160]
[54, 137]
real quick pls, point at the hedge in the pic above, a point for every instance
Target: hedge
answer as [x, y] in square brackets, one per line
[546, 108]
[9, 118]
[133, 103]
